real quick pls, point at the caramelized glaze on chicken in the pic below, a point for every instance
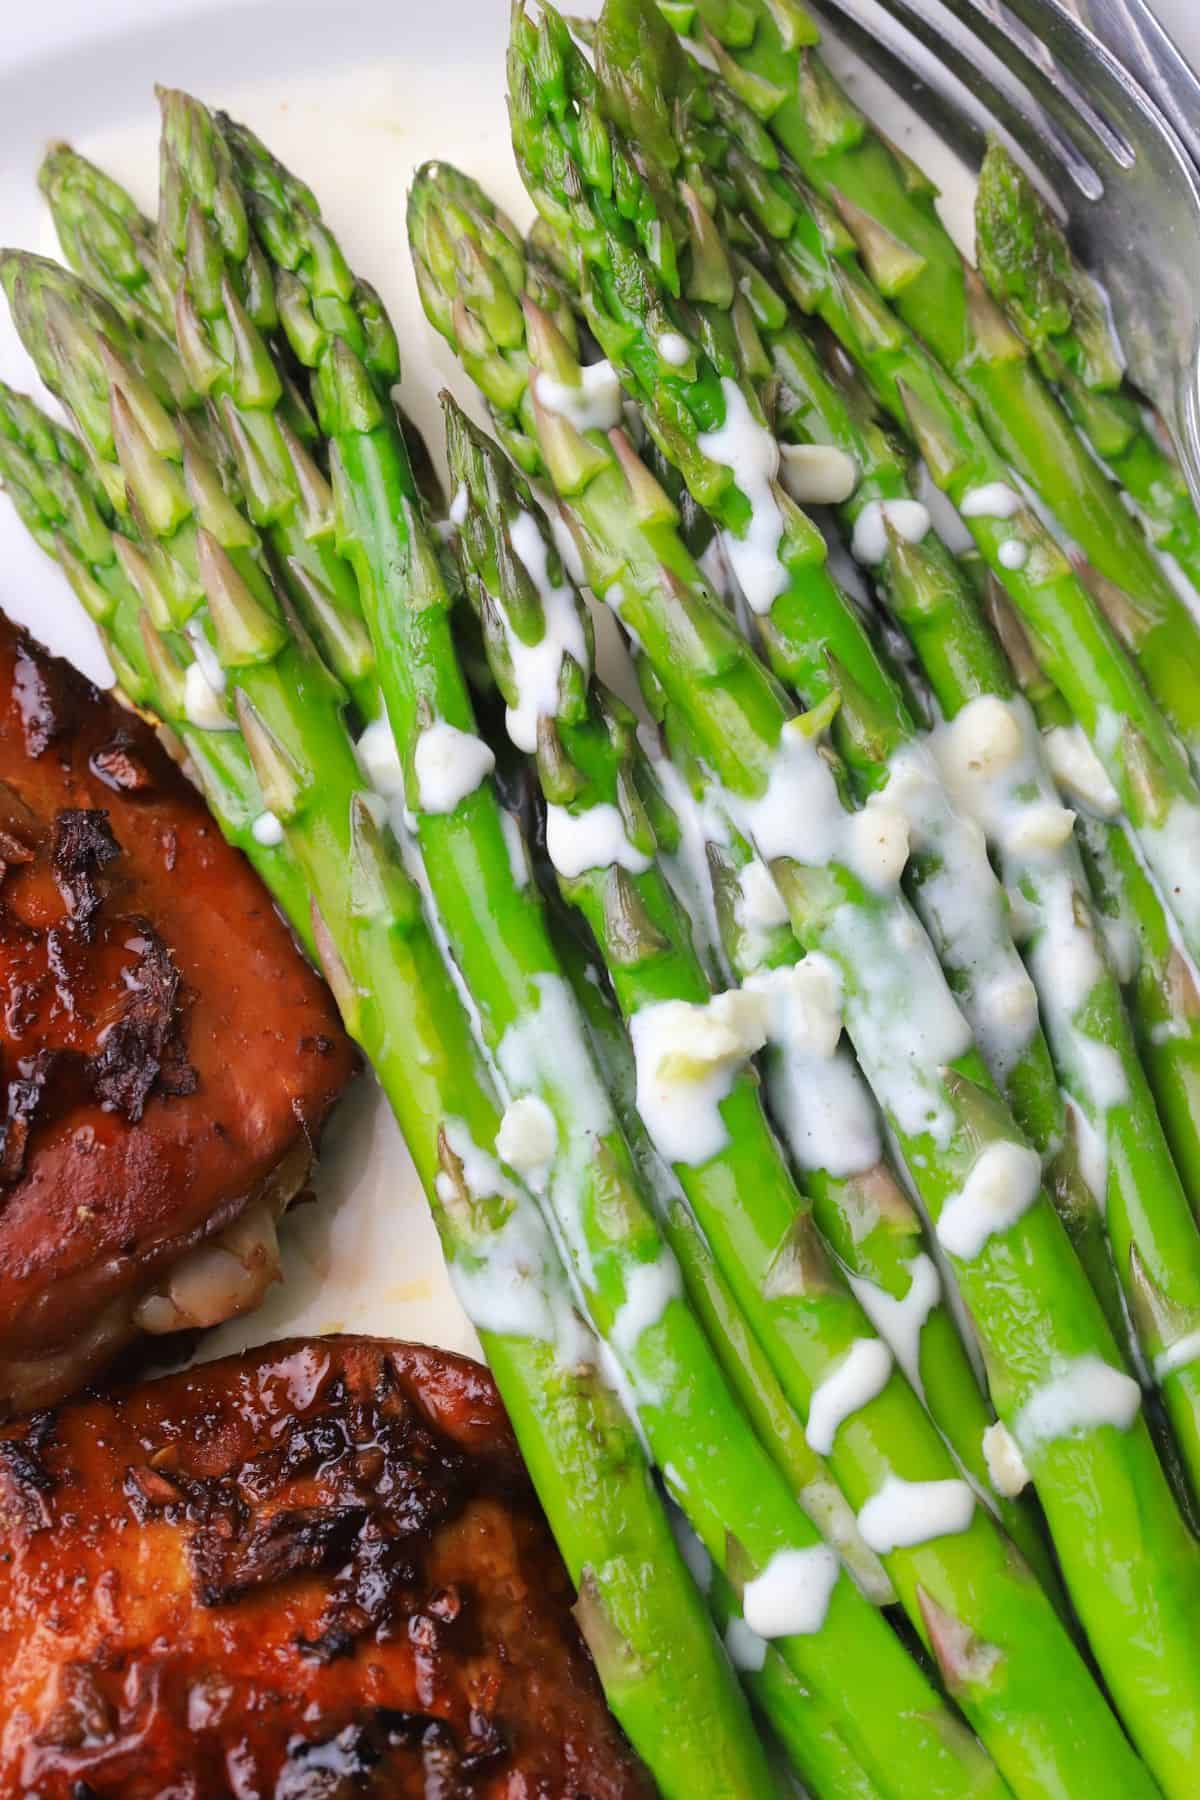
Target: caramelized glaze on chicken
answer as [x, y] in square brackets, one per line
[167, 1057]
[312, 1572]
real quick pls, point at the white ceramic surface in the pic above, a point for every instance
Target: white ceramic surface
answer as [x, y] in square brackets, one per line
[355, 96]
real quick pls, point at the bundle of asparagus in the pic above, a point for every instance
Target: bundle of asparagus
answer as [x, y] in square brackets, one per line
[805, 1098]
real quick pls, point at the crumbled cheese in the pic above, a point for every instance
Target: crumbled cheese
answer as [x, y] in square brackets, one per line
[1005, 1464]
[688, 1057]
[1083, 1395]
[674, 349]
[908, 518]
[528, 1137]
[818, 474]
[994, 500]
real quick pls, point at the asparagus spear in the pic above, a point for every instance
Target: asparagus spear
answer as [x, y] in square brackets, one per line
[815, 1746]
[627, 540]
[813, 256]
[399, 1001]
[108, 242]
[587, 762]
[106, 239]
[963, 663]
[1165, 1000]
[1155, 1240]
[602, 740]
[1030, 270]
[561, 1115]
[1150, 1225]
[821, 646]
[767, 50]
[972, 934]
[1156, 971]
[224, 299]
[46, 473]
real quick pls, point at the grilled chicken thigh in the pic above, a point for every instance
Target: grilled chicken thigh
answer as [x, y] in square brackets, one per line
[312, 1572]
[167, 1057]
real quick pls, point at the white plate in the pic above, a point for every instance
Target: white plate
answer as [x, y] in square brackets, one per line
[355, 98]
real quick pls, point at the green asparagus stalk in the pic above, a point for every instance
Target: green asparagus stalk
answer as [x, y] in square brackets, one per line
[767, 49]
[984, 969]
[1165, 1000]
[960, 661]
[747, 1366]
[735, 1496]
[588, 768]
[138, 269]
[46, 472]
[1156, 971]
[813, 256]
[813, 1743]
[1150, 1224]
[815, 1746]
[224, 300]
[107, 239]
[1031, 271]
[627, 540]
[882, 1246]
[399, 1001]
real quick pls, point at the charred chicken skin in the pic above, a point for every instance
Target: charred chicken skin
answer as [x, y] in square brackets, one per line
[167, 1057]
[312, 1572]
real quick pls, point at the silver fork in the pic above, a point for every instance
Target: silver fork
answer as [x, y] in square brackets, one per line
[1046, 74]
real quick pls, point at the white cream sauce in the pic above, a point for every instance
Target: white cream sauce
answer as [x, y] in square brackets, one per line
[1083, 1395]
[592, 839]
[853, 1382]
[749, 450]
[906, 1513]
[791, 1597]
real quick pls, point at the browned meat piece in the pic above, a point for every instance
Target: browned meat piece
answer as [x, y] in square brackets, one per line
[312, 1572]
[167, 1057]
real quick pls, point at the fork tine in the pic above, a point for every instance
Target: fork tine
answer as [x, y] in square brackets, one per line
[886, 47]
[1024, 47]
[969, 69]
[1070, 109]
[1132, 42]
